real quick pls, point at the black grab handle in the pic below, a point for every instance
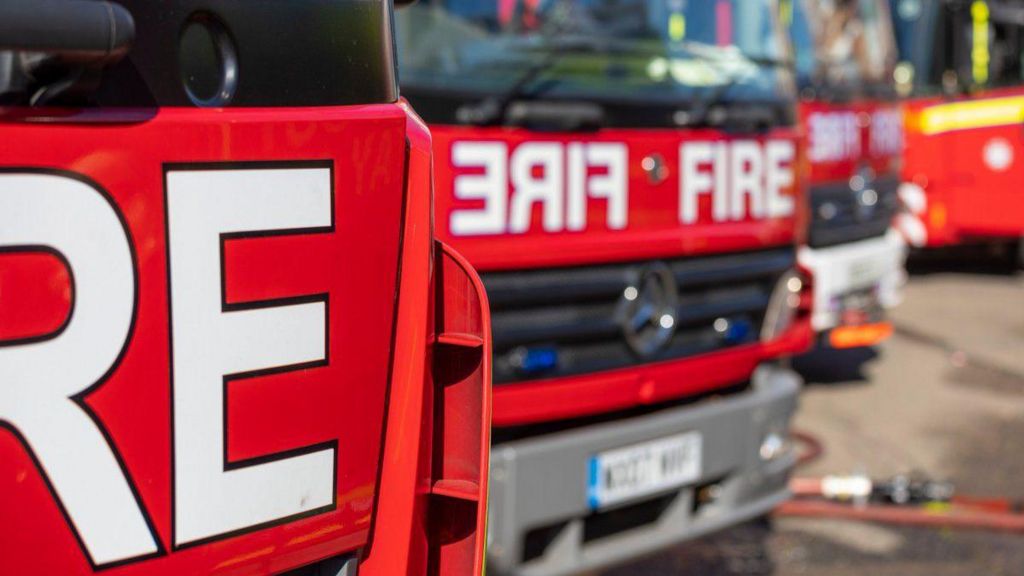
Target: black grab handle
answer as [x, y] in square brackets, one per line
[87, 30]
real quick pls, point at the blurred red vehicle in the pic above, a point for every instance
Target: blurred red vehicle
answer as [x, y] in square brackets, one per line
[626, 177]
[845, 56]
[960, 62]
[229, 342]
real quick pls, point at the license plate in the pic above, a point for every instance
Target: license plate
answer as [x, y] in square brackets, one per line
[642, 469]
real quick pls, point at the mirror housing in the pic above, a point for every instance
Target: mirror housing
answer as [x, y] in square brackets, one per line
[83, 30]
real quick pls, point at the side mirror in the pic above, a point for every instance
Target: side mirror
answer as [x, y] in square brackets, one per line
[86, 31]
[55, 50]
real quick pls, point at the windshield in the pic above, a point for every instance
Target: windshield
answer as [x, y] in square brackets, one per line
[961, 46]
[647, 51]
[847, 43]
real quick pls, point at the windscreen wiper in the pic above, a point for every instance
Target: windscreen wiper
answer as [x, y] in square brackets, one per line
[700, 114]
[494, 109]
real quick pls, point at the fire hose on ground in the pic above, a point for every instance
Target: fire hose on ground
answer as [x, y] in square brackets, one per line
[901, 500]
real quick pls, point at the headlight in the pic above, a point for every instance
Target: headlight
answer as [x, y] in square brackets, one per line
[783, 306]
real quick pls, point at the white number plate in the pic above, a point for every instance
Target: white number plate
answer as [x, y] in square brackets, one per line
[642, 469]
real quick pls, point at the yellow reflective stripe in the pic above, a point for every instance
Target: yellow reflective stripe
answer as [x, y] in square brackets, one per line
[786, 12]
[676, 27]
[976, 114]
[979, 50]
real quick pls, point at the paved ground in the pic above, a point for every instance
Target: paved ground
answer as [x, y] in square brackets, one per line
[944, 397]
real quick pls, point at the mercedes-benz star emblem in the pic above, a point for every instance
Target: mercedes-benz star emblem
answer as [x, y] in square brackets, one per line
[648, 309]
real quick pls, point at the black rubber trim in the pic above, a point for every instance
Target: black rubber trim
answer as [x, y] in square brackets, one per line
[289, 53]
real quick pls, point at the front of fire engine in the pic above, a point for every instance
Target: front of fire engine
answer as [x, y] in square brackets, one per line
[626, 177]
[853, 129]
[230, 342]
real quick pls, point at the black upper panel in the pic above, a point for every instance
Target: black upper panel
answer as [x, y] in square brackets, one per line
[840, 214]
[446, 107]
[284, 52]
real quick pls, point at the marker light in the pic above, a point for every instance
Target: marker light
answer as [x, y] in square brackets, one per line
[794, 284]
[534, 359]
[860, 336]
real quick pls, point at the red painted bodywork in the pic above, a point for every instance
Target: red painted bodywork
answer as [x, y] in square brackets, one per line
[966, 200]
[653, 231]
[37, 294]
[406, 543]
[375, 397]
[577, 396]
[884, 162]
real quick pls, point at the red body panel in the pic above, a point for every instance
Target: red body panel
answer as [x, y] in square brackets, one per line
[555, 399]
[37, 294]
[969, 165]
[652, 230]
[845, 137]
[431, 512]
[342, 401]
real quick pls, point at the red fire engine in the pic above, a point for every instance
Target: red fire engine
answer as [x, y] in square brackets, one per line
[626, 177]
[229, 342]
[845, 56]
[963, 166]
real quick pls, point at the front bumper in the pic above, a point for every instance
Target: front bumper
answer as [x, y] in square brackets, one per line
[539, 484]
[874, 264]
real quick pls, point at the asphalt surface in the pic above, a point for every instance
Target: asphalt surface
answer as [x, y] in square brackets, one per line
[944, 397]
